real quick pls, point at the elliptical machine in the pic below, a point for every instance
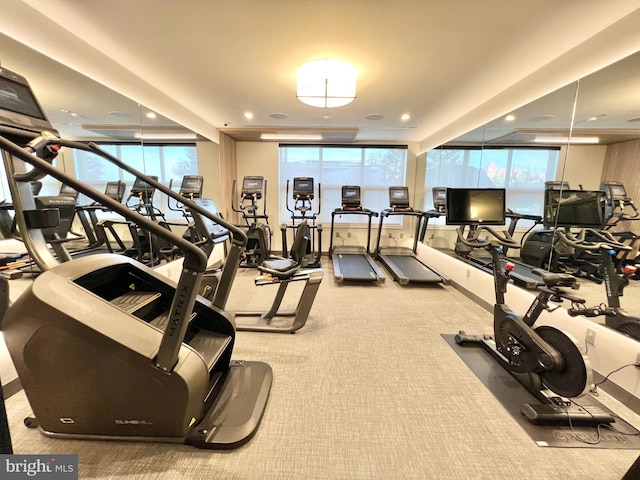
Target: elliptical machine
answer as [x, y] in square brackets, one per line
[547, 361]
[303, 196]
[258, 248]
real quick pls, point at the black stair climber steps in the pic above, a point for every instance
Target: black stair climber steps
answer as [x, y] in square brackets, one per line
[148, 306]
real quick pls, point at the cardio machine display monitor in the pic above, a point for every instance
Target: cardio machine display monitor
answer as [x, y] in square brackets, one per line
[614, 191]
[68, 191]
[252, 186]
[303, 188]
[574, 208]
[439, 195]
[475, 206]
[18, 105]
[399, 197]
[142, 187]
[191, 186]
[351, 196]
[115, 190]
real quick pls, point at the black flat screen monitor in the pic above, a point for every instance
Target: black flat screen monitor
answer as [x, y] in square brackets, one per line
[303, 188]
[351, 196]
[399, 197]
[475, 206]
[18, 105]
[574, 208]
[191, 186]
[252, 186]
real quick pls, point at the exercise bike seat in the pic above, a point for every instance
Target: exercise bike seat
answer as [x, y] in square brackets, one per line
[281, 268]
[555, 279]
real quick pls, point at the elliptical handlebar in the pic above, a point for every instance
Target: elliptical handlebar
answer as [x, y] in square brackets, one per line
[474, 240]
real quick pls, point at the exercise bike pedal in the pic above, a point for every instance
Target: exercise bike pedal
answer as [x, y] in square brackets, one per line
[462, 338]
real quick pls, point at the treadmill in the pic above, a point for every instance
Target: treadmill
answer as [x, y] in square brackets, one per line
[402, 262]
[351, 262]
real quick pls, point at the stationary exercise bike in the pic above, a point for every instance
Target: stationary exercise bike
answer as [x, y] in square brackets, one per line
[544, 359]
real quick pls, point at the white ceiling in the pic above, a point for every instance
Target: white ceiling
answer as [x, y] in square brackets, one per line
[452, 65]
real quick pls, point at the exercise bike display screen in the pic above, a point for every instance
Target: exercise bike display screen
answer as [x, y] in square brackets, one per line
[574, 208]
[468, 206]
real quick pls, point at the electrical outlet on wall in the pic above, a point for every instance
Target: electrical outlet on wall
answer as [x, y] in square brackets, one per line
[591, 337]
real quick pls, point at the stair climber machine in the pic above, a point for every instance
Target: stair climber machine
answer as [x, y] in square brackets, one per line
[104, 347]
[548, 362]
[402, 262]
[258, 232]
[353, 263]
[303, 196]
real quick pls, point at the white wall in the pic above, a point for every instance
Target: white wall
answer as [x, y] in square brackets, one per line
[583, 166]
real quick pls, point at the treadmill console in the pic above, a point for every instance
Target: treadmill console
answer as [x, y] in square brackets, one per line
[439, 198]
[399, 198]
[351, 197]
[303, 188]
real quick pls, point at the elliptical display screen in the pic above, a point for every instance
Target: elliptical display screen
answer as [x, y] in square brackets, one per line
[475, 206]
[191, 185]
[303, 188]
[252, 186]
[574, 208]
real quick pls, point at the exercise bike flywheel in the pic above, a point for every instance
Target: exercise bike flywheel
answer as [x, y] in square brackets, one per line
[574, 378]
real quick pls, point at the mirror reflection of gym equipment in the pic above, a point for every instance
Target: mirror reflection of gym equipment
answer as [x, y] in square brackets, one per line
[256, 220]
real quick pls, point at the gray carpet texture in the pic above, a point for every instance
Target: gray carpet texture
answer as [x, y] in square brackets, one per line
[368, 389]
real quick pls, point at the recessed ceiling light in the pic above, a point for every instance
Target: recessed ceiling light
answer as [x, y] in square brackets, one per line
[374, 116]
[405, 117]
[279, 116]
[248, 115]
[510, 118]
[151, 115]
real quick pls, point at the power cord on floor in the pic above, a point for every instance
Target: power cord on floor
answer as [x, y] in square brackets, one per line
[594, 388]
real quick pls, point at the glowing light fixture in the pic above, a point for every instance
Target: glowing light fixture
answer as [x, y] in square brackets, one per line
[562, 140]
[290, 136]
[327, 83]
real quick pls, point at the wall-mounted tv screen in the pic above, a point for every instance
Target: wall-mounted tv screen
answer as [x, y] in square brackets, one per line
[574, 208]
[479, 206]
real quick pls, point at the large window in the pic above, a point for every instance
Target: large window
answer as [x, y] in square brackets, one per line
[167, 162]
[373, 168]
[522, 171]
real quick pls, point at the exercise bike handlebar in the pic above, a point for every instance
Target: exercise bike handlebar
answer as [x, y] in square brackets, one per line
[605, 240]
[474, 240]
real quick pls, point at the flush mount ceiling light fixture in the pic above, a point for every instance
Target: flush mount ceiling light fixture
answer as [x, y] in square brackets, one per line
[327, 83]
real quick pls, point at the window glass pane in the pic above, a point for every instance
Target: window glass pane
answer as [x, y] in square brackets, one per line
[374, 169]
